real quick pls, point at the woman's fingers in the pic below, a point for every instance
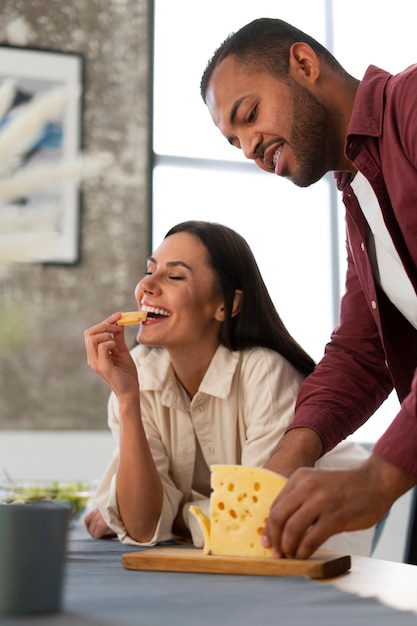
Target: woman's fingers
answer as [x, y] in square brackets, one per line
[103, 341]
[96, 525]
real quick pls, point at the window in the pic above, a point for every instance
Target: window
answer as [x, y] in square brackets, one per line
[198, 175]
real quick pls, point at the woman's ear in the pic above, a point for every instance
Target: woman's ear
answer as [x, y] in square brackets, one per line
[237, 303]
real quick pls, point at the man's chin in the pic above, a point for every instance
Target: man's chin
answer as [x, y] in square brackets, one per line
[303, 180]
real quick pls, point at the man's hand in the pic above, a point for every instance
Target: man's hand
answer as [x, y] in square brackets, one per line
[97, 527]
[316, 504]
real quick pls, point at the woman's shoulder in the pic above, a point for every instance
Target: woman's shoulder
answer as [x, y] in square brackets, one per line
[248, 355]
[268, 361]
[260, 353]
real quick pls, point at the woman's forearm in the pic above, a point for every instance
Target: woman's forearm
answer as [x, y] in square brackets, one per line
[138, 485]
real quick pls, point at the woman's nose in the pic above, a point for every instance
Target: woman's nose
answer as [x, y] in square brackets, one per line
[148, 284]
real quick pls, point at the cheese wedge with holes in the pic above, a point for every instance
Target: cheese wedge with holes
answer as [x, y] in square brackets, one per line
[132, 317]
[239, 507]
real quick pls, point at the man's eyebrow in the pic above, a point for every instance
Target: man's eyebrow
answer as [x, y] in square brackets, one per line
[152, 259]
[232, 116]
[235, 107]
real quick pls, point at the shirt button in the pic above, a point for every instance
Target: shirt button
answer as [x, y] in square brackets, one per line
[211, 449]
[362, 246]
[200, 409]
[373, 304]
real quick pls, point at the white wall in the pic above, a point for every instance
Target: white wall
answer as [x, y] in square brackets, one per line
[391, 545]
[54, 455]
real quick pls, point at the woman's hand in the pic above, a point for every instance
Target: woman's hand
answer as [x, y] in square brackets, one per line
[108, 355]
[138, 485]
[97, 527]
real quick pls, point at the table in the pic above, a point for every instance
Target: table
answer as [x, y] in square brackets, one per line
[394, 584]
[98, 591]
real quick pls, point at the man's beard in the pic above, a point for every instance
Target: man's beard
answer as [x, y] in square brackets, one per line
[308, 137]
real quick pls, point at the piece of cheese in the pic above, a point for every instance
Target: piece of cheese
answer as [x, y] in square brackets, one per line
[239, 507]
[132, 317]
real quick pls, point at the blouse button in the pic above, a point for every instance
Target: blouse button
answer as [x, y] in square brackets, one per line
[362, 246]
[373, 304]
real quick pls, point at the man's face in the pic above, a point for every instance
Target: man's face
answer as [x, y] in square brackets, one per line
[281, 126]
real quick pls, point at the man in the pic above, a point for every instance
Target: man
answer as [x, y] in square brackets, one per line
[282, 98]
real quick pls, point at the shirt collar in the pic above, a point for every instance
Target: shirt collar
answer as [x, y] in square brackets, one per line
[369, 104]
[156, 373]
[367, 115]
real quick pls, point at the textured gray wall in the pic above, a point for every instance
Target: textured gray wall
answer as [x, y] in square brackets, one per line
[45, 382]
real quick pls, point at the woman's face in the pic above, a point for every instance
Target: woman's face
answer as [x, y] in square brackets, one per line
[179, 292]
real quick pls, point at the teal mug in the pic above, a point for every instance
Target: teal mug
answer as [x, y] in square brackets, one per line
[32, 557]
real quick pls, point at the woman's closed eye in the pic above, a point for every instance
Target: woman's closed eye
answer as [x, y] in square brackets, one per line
[171, 277]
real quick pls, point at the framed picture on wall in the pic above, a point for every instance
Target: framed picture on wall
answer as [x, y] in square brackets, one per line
[42, 83]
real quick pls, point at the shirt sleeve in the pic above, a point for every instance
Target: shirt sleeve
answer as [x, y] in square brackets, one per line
[106, 497]
[352, 380]
[398, 445]
[268, 391]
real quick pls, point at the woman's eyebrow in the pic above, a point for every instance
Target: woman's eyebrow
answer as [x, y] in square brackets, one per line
[175, 263]
[152, 259]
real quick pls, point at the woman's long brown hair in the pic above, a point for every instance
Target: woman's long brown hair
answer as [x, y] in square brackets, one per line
[258, 322]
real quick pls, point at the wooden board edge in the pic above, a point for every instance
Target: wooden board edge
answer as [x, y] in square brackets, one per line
[186, 560]
[330, 568]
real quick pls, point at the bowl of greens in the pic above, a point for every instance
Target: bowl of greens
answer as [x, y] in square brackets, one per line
[77, 493]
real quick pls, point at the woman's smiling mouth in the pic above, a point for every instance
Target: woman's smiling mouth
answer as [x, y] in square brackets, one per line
[154, 312]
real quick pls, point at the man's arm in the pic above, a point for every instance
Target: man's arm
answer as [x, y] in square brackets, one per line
[299, 447]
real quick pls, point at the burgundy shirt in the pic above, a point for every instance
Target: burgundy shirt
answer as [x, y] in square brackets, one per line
[374, 348]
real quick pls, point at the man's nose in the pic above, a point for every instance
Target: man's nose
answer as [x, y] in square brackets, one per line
[251, 146]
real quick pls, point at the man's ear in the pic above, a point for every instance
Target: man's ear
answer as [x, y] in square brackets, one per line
[304, 64]
[237, 304]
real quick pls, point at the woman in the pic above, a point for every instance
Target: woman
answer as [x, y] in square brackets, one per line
[213, 380]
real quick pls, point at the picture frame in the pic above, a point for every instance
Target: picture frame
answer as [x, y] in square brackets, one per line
[34, 71]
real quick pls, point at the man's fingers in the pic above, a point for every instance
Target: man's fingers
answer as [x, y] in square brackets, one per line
[294, 527]
[281, 532]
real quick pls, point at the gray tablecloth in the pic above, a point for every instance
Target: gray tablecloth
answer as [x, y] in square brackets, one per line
[98, 591]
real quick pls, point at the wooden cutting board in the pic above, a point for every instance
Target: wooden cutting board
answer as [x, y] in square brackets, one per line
[323, 564]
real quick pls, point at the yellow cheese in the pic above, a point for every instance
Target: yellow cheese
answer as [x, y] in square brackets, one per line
[239, 507]
[132, 317]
